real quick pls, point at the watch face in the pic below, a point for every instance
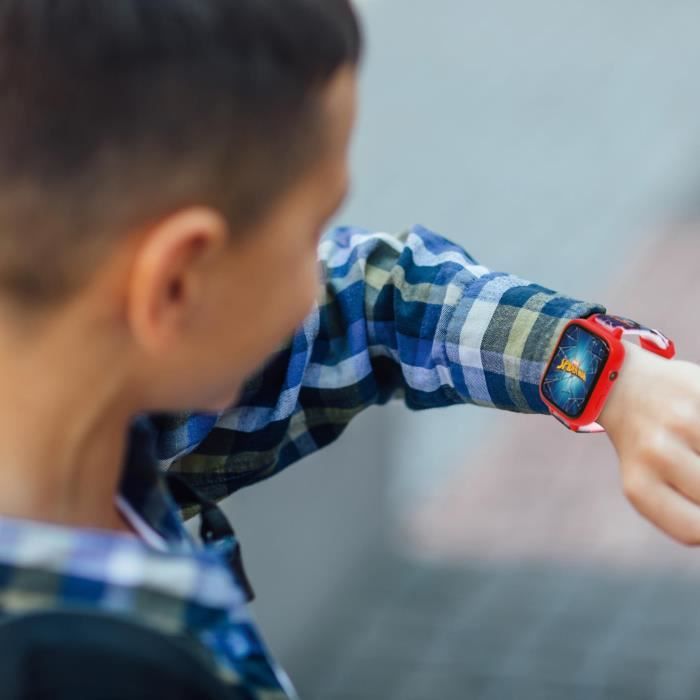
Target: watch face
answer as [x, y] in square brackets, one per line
[571, 377]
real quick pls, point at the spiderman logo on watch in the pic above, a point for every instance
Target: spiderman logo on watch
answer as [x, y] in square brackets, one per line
[574, 370]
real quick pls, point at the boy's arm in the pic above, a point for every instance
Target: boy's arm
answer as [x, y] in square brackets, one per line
[411, 316]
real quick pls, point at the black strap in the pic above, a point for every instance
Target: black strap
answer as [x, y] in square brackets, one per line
[215, 528]
[76, 655]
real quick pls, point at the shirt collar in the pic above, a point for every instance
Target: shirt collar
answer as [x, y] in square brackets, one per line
[143, 485]
[42, 564]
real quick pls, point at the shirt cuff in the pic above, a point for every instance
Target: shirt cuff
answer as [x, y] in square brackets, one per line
[503, 332]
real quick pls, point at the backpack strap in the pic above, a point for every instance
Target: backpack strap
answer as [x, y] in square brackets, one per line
[71, 655]
[215, 528]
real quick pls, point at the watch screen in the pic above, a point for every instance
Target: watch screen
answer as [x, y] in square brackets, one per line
[572, 375]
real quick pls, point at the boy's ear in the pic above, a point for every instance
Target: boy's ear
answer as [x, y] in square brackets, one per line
[168, 272]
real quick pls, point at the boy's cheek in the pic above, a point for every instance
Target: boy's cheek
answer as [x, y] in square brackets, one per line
[225, 401]
[245, 334]
[297, 298]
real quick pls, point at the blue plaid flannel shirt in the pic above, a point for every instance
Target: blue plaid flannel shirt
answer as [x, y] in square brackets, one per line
[411, 317]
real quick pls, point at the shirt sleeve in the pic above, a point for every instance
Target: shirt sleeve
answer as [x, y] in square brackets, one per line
[411, 316]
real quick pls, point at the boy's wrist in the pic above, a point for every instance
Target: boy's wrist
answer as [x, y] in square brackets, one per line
[630, 376]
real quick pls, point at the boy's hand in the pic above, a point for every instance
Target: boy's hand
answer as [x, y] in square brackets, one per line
[653, 420]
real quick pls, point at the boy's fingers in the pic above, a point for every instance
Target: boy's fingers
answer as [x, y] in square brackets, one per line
[681, 470]
[669, 510]
[694, 438]
[683, 418]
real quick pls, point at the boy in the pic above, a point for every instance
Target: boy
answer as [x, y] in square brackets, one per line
[167, 169]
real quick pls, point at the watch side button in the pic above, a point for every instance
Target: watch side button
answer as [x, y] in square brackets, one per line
[614, 376]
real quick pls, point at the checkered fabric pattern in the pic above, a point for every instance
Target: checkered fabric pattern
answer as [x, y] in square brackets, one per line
[187, 590]
[412, 317]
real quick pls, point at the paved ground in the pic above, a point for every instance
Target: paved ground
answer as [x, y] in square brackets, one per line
[519, 632]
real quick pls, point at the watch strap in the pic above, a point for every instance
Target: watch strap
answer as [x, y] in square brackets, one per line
[649, 338]
[584, 429]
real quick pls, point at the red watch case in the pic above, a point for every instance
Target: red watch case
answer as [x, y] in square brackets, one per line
[586, 422]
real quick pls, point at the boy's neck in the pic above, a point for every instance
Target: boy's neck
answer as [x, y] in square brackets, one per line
[63, 432]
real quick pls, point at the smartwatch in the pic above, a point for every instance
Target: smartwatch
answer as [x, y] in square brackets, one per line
[586, 363]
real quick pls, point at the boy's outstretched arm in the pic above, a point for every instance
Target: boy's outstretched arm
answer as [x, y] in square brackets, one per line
[414, 316]
[411, 316]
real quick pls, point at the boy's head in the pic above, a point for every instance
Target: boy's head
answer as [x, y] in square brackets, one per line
[166, 167]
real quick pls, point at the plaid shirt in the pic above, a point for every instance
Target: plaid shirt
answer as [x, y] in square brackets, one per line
[413, 317]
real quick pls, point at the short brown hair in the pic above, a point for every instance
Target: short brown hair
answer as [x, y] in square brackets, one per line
[113, 113]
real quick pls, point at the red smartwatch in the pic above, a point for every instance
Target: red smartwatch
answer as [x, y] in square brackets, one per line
[585, 364]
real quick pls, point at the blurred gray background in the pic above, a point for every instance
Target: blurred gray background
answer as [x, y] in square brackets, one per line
[464, 553]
